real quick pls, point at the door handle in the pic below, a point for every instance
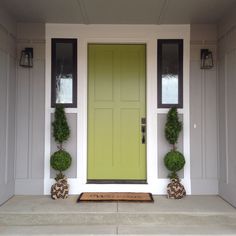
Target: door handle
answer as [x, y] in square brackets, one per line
[143, 139]
[143, 129]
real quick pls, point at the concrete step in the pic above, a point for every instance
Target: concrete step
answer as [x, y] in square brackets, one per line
[193, 215]
[116, 218]
[114, 230]
[57, 230]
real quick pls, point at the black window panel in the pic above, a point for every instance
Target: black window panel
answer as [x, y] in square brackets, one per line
[170, 73]
[64, 72]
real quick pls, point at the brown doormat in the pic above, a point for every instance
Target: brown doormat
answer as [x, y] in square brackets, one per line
[129, 197]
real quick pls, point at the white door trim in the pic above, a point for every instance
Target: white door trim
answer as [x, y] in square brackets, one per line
[118, 34]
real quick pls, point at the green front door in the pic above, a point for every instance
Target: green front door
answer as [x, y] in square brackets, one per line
[116, 106]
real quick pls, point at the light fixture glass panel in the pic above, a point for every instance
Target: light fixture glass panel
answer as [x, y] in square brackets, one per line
[206, 59]
[26, 59]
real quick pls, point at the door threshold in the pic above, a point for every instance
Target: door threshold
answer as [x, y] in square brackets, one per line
[101, 181]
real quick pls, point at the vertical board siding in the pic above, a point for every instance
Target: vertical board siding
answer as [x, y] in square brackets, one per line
[203, 120]
[230, 117]
[7, 115]
[30, 121]
[3, 117]
[37, 125]
[22, 119]
[227, 131]
[227, 112]
[11, 119]
[211, 125]
[222, 123]
[196, 143]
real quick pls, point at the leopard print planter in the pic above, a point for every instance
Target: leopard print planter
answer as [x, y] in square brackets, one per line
[60, 189]
[175, 190]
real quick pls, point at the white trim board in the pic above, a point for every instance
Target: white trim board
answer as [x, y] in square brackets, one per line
[118, 34]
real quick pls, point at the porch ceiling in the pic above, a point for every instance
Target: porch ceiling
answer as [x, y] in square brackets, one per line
[119, 11]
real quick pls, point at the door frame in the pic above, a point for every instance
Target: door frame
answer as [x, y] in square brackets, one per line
[140, 34]
[151, 175]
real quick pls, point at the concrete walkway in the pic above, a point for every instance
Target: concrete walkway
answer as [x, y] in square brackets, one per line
[193, 215]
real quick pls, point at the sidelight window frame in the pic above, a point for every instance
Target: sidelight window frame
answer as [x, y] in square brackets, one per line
[54, 42]
[160, 43]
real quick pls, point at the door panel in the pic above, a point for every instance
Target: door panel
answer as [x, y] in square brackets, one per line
[116, 104]
[103, 85]
[130, 78]
[131, 153]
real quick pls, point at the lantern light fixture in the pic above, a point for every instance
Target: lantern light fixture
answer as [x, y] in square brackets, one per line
[26, 58]
[206, 59]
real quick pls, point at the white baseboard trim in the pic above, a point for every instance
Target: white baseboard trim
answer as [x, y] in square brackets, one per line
[7, 191]
[205, 186]
[29, 187]
[36, 187]
[228, 192]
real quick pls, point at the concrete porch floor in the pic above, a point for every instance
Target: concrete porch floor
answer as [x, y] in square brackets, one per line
[193, 215]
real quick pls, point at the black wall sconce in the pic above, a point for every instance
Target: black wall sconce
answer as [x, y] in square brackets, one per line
[26, 58]
[206, 59]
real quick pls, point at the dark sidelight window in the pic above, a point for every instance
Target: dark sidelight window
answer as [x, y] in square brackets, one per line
[170, 73]
[64, 72]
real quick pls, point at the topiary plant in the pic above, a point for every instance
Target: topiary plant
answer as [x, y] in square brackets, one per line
[60, 160]
[174, 161]
[173, 127]
[61, 130]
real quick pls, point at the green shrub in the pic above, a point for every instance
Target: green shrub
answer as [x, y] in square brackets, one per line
[174, 161]
[60, 160]
[61, 130]
[173, 126]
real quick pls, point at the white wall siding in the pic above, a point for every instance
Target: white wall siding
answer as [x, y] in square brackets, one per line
[7, 106]
[203, 113]
[30, 112]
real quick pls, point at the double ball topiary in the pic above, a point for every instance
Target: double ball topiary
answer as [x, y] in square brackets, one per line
[173, 160]
[60, 160]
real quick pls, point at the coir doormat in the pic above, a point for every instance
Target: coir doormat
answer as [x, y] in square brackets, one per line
[128, 197]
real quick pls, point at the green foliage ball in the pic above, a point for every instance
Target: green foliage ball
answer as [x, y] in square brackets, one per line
[174, 161]
[61, 130]
[173, 126]
[60, 160]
